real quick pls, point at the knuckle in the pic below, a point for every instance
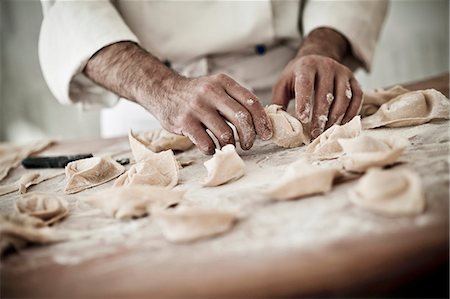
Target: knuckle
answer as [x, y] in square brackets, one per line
[205, 87]
[221, 77]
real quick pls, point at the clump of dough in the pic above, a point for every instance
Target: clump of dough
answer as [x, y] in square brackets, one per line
[46, 206]
[189, 224]
[300, 179]
[287, 130]
[394, 192]
[162, 140]
[91, 172]
[372, 100]
[224, 166]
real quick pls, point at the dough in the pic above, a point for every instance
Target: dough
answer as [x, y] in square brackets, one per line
[302, 178]
[12, 155]
[287, 130]
[363, 152]
[27, 180]
[224, 166]
[91, 172]
[46, 206]
[161, 140]
[409, 109]
[391, 192]
[326, 145]
[189, 224]
[372, 100]
[134, 201]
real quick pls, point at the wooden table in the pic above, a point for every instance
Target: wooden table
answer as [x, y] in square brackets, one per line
[317, 246]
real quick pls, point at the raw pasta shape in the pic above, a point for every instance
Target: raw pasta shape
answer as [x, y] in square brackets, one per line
[409, 109]
[300, 179]
[161, 140]
[287, 130]
[363, 152]
[190, 224]
[46, 206]
[134, 201]
[372, 100]
[224, 166]
[27, 180]
[326, 145]
[91, 172]
[390, 192]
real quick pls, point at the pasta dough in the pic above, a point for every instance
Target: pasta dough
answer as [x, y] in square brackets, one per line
[326, 146]
[372, 100]
[189, 224]
[363, 152]
[91, 172]
[409, 109]
[301, 179]
[161, 140]
[287, 130]
[45, 206]
[27, 180]
[12, 155]
[390, 192]
[134, 201]
[224, 166]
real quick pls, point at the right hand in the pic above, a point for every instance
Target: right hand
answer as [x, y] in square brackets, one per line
[193, 105]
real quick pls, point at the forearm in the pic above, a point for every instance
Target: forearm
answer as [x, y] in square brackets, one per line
[326, 42]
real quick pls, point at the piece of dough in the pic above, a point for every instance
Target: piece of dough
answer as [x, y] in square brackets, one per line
[134, 201]
[372, 100]
[46, 206]
[391, 192]
[91, 172]
[161, 140]
[27, 180]
[189, 224]
[326, 145]
[12, 155]
[409, 109]
[224, 166]
[301, 178]
[287, 130]
[363, 152]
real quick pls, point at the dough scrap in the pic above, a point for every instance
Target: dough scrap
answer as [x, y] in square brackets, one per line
[224, 166]
[326, 145]
[287, 130]
[90, 172]
[372, 100]
[27, 180]
[162, 140]
[409, 109]
[12, 155]
[190, 224]
[302, 178]
[363, 152]
[134, 201]
[393, 192]
[46, 206]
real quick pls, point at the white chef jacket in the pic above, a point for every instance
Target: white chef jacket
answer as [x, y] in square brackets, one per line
[251, 41]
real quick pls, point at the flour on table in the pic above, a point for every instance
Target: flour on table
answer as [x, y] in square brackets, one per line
[91, 172]
[48, 207]
[224, 166]
[394, 192]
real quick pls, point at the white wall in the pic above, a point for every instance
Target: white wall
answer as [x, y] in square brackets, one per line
[413, 45]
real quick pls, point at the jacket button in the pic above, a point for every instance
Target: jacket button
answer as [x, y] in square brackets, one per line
[260, 49]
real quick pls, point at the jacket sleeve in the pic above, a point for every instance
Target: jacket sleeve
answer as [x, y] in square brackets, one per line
[359, 21]
[71, 32]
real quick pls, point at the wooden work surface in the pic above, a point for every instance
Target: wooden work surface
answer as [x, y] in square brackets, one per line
[317, 246]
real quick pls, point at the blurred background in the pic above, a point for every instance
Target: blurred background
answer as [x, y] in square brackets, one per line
[414, 44]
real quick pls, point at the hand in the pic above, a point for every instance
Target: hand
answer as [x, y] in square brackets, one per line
[193, 105]
[325, 92]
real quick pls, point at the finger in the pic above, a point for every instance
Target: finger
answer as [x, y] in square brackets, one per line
[355, 105]
[342, 93]
[304, 89]
[196, 132]
[262, 124]
[281, 93]
[235, 113]
[217, 125]
[323, 99]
